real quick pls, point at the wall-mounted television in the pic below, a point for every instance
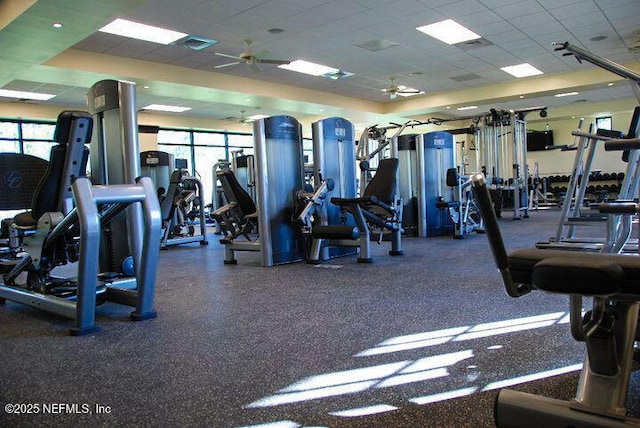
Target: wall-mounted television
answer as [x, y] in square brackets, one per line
[539, 140]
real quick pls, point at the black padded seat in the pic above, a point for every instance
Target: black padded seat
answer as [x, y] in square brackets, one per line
[565, 272]
[25, 220]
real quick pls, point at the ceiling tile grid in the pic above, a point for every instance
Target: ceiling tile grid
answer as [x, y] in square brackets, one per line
[328, 31]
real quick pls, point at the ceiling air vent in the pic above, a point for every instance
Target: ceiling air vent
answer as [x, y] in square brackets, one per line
[473, 44]
[377, 45]
[196, 43]
[335, 75]
[465, 77]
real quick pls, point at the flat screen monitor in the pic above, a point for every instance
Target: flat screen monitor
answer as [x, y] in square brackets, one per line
[539, 140]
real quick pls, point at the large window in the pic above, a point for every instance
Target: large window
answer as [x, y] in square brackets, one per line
[239, 142]
[203, 150]
[178, 143]
[32, 138]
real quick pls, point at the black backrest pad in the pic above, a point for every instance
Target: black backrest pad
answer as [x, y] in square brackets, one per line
[235, 192]
[19, 178]
[45, 198]
[64, 126]
[62, 169]
[383, 183]
[167, 204]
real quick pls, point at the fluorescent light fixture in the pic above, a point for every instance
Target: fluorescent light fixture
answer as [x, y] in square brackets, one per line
[566, 94]
[521, 70]
[306, 67]
[449, 31]
[336, 75]
[466, 108]
[164, 107]
[23, 95]
[257, 116]
[135, 30]
[409, 94]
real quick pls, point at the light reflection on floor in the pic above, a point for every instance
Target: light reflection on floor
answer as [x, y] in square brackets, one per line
[410, 371]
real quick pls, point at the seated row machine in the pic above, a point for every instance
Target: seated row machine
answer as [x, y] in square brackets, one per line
[608, 329]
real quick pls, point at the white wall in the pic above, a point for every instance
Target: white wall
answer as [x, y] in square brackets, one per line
[556, 162]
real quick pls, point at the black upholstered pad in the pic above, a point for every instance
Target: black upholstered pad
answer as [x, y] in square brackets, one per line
[383, 183]
[578, 276]
[25, 220]
[570, 272]
[19, 178]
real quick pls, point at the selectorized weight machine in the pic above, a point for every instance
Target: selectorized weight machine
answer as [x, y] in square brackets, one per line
[55, 233]
[181, 199]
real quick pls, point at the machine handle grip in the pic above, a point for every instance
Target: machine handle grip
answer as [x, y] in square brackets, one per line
[485, 205]
[619, 144]
[628, 207]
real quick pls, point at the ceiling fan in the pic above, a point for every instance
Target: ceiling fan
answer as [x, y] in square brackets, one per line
[243, 119]
[251, 58]
[393, 90]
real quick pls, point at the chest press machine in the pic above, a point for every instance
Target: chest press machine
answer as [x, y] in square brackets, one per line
[608, 329]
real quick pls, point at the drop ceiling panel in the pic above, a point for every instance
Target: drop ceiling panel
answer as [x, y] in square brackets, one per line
[338, 9]
[273, 10]
[460, 9]
[401, 8]
[240, 5]
[133, 48]
[99, 42]
[162, 12]
[571, 11]
[208, 11]
[522, 8]
[327, 31]
[484, 18]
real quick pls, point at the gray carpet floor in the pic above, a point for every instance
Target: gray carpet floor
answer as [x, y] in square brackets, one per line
[422, 340]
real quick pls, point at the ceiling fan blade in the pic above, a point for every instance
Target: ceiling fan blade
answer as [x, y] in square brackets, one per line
[255, 68]
[227, 56]
[408, 91]
[260, 53]
[274, 61]
[226, 65]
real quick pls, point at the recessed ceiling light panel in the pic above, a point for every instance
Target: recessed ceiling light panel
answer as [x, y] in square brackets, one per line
[565, 94]
[23, 95]
[306, 67]
[165, 107]
[522, 70]
[135, 30]
[257, 117]
[467, 108]
[449, 31]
